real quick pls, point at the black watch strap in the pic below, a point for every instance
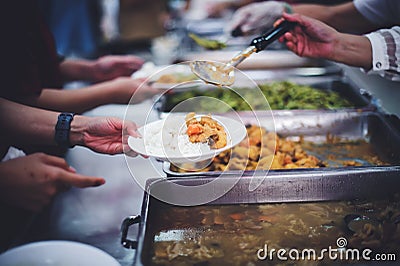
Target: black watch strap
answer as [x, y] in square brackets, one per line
[63, 128]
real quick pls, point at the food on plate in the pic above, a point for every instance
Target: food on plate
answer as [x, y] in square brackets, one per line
[232, 234]
[260, 151]
[280, 95]
[168, 138]
[205, 130]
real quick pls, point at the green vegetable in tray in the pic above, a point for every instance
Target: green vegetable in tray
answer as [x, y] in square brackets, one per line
[207, 43]
[280, 96]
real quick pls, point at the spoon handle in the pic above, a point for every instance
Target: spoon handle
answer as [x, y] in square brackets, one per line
[266, 39]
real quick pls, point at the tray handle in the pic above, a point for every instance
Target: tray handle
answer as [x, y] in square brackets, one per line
[125, 242]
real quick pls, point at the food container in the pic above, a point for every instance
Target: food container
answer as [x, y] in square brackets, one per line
[380, 133]
[283, 188]
[174, 101]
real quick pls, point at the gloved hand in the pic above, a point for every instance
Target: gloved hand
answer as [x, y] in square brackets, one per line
[257, 17]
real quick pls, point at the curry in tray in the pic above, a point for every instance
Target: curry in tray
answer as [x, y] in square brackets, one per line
[233, 234]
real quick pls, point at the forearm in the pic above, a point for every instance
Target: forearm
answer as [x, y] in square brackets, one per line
[26, 125]
[352, 50]
[23, 124]
[75, 100]
[77, 70]
[342, 17]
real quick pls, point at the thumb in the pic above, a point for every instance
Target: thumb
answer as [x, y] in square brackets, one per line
[131, 129]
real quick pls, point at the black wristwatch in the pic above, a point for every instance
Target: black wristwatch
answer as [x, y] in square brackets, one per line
[62, 129]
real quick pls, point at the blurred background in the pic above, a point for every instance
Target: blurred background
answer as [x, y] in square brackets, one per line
[90, 28]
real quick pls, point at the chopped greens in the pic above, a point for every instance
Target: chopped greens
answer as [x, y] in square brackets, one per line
[281, 95]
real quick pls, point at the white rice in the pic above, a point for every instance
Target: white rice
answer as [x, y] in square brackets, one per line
[171, 140]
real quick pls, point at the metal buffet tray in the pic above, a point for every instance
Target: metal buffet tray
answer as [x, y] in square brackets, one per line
[302, 187]
[381, 132]
[360, 99]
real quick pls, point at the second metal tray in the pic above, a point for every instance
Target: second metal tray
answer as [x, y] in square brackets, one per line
[381, 134]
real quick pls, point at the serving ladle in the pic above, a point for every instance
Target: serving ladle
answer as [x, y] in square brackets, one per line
[222, 74]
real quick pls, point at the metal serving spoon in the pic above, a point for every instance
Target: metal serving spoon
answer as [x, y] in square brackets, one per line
[223, 74]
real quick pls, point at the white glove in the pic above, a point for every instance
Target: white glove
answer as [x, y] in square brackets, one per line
[257, 17]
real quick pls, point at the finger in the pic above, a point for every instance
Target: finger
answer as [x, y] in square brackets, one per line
[131, 61]
[279, 21]
[135, 59]
[131, 129]
[300, 45]
[131, 153]
[290, 37]
[290, 17]
[58, 162]
[144, 156]
[81, 181]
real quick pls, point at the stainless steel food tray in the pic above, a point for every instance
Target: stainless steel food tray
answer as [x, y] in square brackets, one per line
[285, 187]
[359, 98]
[382, 132]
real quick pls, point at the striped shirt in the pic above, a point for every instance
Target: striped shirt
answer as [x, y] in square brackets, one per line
[386, 52]
[385, 42]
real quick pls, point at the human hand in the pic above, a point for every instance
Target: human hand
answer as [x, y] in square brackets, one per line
[257, 17]
[310, 38]
[32, 181]
[107, 135]
[124, 88]
[112, 66]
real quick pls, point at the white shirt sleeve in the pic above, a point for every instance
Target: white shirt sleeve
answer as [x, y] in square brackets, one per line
[386, 52]
[13, 153]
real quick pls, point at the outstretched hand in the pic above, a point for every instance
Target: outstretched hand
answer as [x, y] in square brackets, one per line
[107, 135]
[113, 66]
[31, 182]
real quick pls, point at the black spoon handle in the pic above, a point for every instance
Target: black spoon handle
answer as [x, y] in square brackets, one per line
[266, 39]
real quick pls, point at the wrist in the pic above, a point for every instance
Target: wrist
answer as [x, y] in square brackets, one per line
[78, 130]
[352, 50]
[62, 129]
[338, 48]
[77, 69]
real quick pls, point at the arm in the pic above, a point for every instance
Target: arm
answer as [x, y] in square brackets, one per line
[313, 38]
[26, 125]
[117, 91]
[257, 17]
[344, 17]
[102, 69]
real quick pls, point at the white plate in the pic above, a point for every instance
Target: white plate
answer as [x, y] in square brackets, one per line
[57, 253]
[166, 147]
